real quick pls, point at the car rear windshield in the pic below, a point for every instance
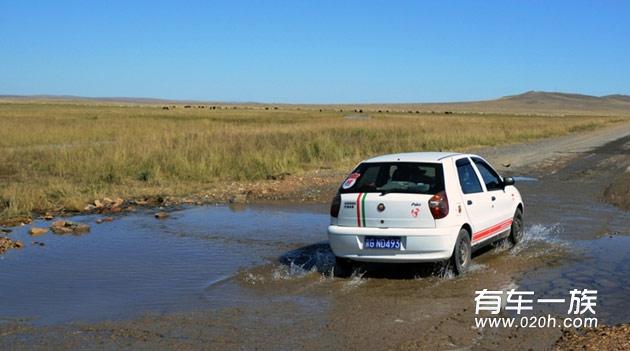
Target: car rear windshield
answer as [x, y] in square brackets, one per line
[395, 177]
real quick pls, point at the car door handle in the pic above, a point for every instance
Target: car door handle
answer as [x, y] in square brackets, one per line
[493, 198]
[469, 202]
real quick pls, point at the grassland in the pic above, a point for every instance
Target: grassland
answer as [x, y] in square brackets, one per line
[57, 155]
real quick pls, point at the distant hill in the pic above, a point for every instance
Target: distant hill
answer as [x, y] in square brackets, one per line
[618, 97]
[564, 101]
[530, 103]
[535, 102]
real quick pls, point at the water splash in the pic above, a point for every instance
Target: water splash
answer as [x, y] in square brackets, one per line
[316, 257]
[254, 279]
[291, 271]
[355, 280]
[540, 239]
[476, 267]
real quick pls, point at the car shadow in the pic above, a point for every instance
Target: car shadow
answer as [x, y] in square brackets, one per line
[320, 258]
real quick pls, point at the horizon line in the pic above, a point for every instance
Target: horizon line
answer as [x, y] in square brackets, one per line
[199, 101]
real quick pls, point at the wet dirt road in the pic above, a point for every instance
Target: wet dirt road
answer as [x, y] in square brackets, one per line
[262, 277]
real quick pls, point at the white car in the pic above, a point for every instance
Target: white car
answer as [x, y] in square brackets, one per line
[423, 207]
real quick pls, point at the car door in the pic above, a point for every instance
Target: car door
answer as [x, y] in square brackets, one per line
[501, 212]
[476, 200]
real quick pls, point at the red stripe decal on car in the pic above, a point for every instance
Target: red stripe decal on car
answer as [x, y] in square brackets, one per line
[359, 210]
[495, 229]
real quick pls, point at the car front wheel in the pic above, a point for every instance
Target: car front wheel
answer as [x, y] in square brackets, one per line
[460, 261]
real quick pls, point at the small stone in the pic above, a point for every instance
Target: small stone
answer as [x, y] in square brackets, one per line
[5, 230]
[61, 230]
[67, 227]
[18, 245]
[90, 207]
[118, 202]
[47, 216]
[81, 228]
[141, 202]
[98, 204]
[161, 215]
[238, 199]
[104, 219]
[35, 231]
[58, 224]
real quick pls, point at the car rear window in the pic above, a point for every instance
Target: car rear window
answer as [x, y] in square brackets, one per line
[395, 177]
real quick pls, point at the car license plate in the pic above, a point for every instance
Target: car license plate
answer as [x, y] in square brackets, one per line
[382, 242]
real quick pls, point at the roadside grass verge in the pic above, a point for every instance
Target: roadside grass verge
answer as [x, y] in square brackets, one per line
[63, 155]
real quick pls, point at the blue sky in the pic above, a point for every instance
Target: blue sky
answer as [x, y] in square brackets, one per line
[314, 51]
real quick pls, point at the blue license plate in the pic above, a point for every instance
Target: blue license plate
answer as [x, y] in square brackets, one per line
[382, 242]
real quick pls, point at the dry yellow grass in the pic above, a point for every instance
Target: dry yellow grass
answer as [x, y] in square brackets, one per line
[63, 154]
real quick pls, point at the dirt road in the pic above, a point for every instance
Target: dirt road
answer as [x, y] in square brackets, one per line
[553, 151]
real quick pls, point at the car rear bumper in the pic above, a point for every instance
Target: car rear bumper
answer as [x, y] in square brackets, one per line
[417, 245]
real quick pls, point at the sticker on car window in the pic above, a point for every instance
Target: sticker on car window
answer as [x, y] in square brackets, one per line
[352, 178]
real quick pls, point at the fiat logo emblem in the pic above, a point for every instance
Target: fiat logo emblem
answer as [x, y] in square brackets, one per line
[380, 207]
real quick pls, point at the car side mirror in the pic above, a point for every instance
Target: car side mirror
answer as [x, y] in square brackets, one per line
[508, 181]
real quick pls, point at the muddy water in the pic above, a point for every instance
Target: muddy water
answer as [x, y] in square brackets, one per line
[264, 276]
[138, 264]
[597, 234]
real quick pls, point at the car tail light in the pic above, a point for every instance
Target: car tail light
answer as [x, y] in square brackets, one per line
[335, 206]
[438, 205]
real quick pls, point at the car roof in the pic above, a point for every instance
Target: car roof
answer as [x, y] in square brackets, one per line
[414, 157]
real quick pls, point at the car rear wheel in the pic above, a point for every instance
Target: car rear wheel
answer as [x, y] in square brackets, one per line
[460, 260]
[343, 267]
[516, 232]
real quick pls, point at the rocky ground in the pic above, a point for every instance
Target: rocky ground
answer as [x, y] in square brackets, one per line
[602, 338]
[7, 244]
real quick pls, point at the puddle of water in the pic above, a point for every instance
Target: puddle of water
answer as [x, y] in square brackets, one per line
[603, 266]
[570, 216]
[138, 264]
[525, 179]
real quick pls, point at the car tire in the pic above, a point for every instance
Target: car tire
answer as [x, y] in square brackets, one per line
[516, 232]
[461, 258]
[343, 267]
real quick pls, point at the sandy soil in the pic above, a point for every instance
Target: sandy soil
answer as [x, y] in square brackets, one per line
[604, 338]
